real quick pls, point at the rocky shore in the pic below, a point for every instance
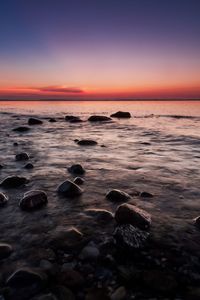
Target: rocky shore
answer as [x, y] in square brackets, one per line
[78, 220]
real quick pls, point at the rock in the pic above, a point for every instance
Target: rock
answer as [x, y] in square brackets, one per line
[76, 120]
[5, 250]
[117, 196]
[29, 166]
[33, 200]
[130, 214]
[119, 294]
[3, 199]
[21, 129]
[46, 265]
[49, 296]
[66, 238]
[90, 252]
[52, 120]
[1, 166]
[15, 144]
[197, 222]
[76, 169]
[63, 293]
[72, 279]
[70, 118]
[21, 156]
[97, 294]
[87, 143]
[129, 237]
[34, 121]
[121, 115]
[13, 182]
[69, 189]
[97, 118]
[101, 215]
[79, 180]
[146, 195]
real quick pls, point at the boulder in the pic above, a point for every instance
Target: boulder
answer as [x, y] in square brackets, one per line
[79, 180]
[21, 129]
[121, 115]
[87, 143]
[130, 214]
[5, 250]
[13, 181]
[3, 199]
[33, 200]
[21, 156]
[69, 189]
[129, 237]
[117, 196]
[34, 121]
[97, 118]
[76, 169]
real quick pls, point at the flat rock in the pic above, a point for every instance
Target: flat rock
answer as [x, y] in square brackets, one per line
[3, 199]
[13, 181]
[130, 214]
[79, 180]
[5, 250]
[121, 115]
[33, 200]
[34, 121]
[21, 129]
[87, 143]
[130, 237]
[117, 196]
[69, 189]
[21, 156]
[76, 169]
[97, 118]
[101, 215]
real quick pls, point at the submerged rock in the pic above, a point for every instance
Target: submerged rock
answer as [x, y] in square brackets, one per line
[22, 156]
[29, 166]
[33, 200]
[13, 181]
[76, 169]
[87, 143]
[121, 115]
[34, 121]
[118, 196]
[130, 214]
[79, 180]
[146, 195]
[129, 237]
[5, 250]
[21, 129]
[101, 215]
[97, 118]
[69, 189]
[3, 199]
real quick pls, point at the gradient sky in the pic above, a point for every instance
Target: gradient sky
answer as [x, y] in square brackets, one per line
[99, 49]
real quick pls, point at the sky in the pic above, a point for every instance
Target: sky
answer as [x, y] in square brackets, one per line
[99, 49]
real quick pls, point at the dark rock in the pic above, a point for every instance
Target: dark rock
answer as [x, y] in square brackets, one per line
[71, 118]
[21, 156]
[13, 181]
[121, 115]
[90, 252]
[197, 222]
[117, 196]
[97, 118]
[87, 143]
[76, 120]
[146, 195]
[21, 129]
[29, 166]
[34, 121]
[101, 215]
[69, 189]
[130, 237]
[49, 296]
[76, 140]
[97, 294]
[5, 250]
[79, 180]
[130, 214]
[63, 293]
[72, 279]
[52, 120]
[3, 199]
[33, 200]
[76, 169]
[15, 144]
[1, 166]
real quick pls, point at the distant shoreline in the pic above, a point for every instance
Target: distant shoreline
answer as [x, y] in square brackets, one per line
[97, 100]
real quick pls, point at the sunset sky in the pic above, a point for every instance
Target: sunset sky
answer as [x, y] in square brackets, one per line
[99, 49]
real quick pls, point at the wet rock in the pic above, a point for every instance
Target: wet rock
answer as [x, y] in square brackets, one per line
[101, 215]
[90, 252]
[87, 143]
[130, 237]
[70, 117]
[97, 294]
[76, 169]
[13, 182]
[130, 214]
[76, 120]
[52, 120]
[69, 189]
[197, 222]
[33, 200]
[21, 129]
[79, 180]
[63, 293]
[72, 279]
[29, 166]
[49, 296]
[22, 156]
[1, 166]
[3, 199]
[34, 121]
[119, 294]
[146, 195]
[97, 118]
[66, 238]
[121, 115]
[15, 144]
[5, 250]
[117, 196]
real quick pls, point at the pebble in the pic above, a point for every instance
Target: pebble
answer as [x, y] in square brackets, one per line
[76, 169]
[90, 252]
